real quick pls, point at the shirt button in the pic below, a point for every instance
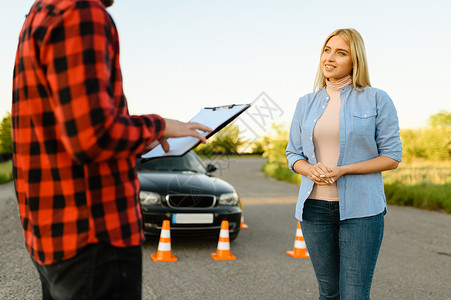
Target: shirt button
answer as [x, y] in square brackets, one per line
[311, 138]
[314, 120]
[324, 106]
[364, 116]
[327, 98]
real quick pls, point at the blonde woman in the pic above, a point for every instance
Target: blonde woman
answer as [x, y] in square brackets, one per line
[342, 137]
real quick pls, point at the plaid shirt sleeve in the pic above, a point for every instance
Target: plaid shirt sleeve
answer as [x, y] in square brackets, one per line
[74, 141]
[80, 59]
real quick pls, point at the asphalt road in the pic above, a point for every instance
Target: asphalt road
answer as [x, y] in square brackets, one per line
[414, 263]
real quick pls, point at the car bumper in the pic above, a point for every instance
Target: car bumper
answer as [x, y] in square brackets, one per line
[153, 219]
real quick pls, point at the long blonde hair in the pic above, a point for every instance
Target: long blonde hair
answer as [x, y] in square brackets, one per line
[359, 72]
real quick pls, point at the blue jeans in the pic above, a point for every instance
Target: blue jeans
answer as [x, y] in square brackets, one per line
[99, 271]
[343, 253]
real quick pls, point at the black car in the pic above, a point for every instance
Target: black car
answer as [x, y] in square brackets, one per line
[181, 189]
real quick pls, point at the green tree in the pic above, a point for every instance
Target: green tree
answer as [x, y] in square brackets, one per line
[257, 147]
[204, 149]
[412, 147]
[226, 141]
[440, 120]
[435, 143]
[275, 145]
[428, 143]
[6, 140]
[440, 137]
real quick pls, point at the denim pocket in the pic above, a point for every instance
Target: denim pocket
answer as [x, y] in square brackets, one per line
[364, 123]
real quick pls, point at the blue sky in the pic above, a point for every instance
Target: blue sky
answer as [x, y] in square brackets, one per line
[178, 56]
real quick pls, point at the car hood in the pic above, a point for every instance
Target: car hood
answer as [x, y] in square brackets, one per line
[183, 183]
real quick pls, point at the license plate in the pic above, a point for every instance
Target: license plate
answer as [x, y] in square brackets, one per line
[192, 218]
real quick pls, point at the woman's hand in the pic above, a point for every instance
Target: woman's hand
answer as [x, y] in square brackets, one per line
[333, 175]
[317, 174]
[374, 165]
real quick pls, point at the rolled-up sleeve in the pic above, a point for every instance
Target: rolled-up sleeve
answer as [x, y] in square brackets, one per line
[387, 128]
[295, 151]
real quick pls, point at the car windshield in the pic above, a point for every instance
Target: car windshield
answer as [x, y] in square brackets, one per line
[188, 162]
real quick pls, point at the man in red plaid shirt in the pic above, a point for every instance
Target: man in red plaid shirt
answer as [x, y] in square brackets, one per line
[75, 146]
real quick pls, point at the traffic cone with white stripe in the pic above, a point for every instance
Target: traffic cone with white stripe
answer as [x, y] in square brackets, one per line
[164, 246]
[242, 224]
[223, 251]
[300, 250]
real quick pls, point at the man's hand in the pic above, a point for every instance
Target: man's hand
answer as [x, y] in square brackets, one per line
[174, 128]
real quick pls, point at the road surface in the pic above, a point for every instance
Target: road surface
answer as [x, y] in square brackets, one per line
[414, 262]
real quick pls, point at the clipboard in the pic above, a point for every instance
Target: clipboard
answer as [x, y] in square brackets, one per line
[214, 117]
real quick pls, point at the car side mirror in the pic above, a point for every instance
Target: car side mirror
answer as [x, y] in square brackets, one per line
[211, 168]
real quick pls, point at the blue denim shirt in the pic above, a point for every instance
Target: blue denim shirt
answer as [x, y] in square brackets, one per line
[368, 129]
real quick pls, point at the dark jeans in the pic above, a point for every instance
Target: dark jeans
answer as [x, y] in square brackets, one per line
[99, 271]
[343, 253]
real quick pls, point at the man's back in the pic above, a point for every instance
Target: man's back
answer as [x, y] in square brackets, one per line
[74, 141]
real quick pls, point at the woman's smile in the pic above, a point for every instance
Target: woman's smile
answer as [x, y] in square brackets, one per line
[336, 59]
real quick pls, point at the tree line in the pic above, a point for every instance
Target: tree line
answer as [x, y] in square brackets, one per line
[6, 139]
[431, 142]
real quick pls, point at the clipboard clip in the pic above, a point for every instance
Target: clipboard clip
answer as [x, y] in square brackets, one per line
[220, 107]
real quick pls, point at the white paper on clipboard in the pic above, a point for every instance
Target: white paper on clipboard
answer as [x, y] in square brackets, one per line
[214, 117]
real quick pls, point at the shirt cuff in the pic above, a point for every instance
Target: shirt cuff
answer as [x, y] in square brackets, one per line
[159, 125]
[393, 155]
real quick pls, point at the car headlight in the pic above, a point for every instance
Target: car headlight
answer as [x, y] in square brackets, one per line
[149, 198]
[228, 199]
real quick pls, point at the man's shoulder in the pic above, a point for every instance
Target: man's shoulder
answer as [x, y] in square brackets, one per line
[51, 14]
[59, 7]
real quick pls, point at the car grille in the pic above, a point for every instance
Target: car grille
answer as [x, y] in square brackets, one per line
[191, 201]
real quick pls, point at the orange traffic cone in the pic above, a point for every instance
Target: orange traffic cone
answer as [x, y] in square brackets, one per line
[242, 225]
[223, 251]
[164, 246]
[299, 251]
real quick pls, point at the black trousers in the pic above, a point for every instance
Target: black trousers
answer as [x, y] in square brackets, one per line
[99, 271]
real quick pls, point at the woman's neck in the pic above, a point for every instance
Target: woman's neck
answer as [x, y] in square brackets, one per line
[338, 84]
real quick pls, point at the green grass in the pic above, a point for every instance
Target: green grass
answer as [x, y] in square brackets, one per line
[229, 156]
[281, 173]
[422, 184]
[420, 172]
[427, 195]
[6, 172]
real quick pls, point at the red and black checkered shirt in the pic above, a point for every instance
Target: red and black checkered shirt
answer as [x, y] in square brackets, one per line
[74, 141]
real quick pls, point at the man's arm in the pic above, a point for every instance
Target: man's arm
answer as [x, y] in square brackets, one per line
[80, 56]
